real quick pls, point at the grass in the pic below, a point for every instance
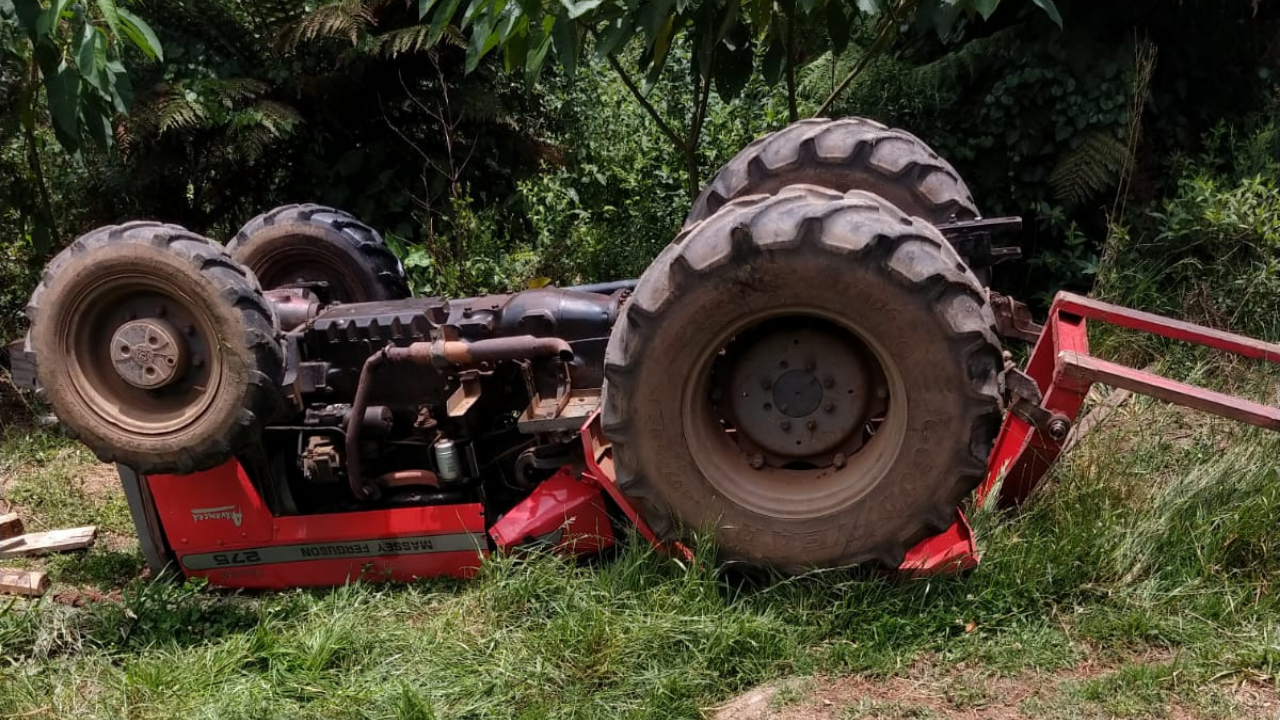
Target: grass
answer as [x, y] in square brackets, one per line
[1139, 582]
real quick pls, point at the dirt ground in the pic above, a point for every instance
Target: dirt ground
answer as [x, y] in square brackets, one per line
[928, 692]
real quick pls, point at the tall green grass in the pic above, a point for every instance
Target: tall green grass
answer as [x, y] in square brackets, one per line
[1138, 541]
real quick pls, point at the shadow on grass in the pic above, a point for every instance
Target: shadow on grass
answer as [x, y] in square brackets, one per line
[103, 569]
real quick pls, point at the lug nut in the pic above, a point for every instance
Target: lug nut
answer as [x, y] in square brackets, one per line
[839, 460]
[1058, 429]
[765, 383]
[785, 425]
[810, 364]
[757, 461]
[831, 407]
[828, 382]
[812, 425]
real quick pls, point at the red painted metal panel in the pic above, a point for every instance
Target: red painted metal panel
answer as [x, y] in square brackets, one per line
[220, 529]
[948, 552]
[563, 514]
[1022, 454]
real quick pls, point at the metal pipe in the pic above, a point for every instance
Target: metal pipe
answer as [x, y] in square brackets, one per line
[468, 354]
[355, 422]
[458, 352]
[605, 288]
[402, 478]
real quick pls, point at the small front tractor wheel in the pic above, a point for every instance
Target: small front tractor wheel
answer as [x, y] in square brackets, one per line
[844, 154]
[321, 248]
[155, 348]
[811, 377]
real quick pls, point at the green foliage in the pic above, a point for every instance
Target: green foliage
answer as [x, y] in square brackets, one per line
[1087, 170]
[466, 252]
[1139, 545]
[78, 49]
[1210, 250]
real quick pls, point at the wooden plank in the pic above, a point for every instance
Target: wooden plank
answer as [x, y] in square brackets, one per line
[23, 582]
[10, 526]
[48, 542]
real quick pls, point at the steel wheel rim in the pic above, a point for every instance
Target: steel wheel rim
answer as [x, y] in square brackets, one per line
[89, 342]
[795, 492]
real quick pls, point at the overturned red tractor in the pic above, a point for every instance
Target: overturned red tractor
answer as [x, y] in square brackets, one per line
[810, 373]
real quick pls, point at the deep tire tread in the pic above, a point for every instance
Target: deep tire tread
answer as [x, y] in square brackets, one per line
[770, 159]
[908, 250]
[379, 261]
[240, 289]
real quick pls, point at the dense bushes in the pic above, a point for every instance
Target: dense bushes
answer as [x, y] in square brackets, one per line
[1210, 249]
[485, 185]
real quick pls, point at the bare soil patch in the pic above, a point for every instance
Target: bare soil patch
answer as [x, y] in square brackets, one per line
[928, 692]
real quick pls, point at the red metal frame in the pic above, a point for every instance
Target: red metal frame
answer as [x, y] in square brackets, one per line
[563, 514]
[1061, 366]
[219, 527]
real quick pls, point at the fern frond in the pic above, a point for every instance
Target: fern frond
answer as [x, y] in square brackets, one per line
[1088, 169]
[412, 39]
[278, 117]
[345, 19]
[231, 90]
[179, 109]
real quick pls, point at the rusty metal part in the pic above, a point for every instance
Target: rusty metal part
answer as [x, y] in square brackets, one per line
[359, 487]
[520, 347]
[294, 306]
[149, 353]
[1023, 398]
[408, 478]
[465, 396]
[1013, 318]
[551, 415]
[800, 393]
[320, 460]
[444, 353]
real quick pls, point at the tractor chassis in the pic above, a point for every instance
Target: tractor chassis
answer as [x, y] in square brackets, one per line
[217, 525]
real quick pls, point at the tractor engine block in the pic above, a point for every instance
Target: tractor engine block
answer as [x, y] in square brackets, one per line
[476, 396]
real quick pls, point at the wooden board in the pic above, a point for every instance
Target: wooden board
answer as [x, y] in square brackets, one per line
[10, 526]
[48, 542]
[23, 582]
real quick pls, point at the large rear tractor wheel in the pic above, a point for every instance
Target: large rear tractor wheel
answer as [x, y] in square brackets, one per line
[844, 154]
[155, 348]
[811, 377]
[324, 249]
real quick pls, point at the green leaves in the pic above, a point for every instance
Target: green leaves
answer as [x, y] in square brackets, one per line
[76, 49]
[140, 34]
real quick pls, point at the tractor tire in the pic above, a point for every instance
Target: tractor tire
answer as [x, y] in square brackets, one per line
[312, 243]
[154, 348]
[832, 320]
[845, 154]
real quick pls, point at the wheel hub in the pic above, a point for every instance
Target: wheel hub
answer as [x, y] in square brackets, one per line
[148, 353]
[799, 394]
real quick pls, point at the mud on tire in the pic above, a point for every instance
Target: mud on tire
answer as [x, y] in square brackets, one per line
[154, 347]
[858, 269]
[312, 243]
